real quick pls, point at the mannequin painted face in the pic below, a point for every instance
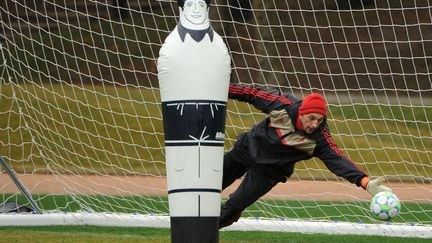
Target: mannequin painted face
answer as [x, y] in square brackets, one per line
[195, 11]
[194, 14]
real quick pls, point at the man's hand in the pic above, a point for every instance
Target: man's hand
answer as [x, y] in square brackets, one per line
[374, 186]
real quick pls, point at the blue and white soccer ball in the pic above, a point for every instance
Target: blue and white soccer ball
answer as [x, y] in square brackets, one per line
[385, 205]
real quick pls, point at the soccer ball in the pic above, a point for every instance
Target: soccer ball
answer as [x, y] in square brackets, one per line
[385, 205]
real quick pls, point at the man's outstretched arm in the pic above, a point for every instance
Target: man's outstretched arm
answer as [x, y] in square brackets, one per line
[340, 165]
[265, 100]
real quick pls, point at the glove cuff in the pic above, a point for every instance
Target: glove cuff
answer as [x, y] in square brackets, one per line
[364, 181]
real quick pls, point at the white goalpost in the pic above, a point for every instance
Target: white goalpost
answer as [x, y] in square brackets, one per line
[81, 119]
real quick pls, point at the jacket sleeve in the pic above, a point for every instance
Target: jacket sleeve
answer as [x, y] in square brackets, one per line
[337, 162]
[265, 100]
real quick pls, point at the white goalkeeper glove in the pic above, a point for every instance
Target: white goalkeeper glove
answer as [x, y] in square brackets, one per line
[374, 186]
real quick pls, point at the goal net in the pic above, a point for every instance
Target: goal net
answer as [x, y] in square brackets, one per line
[81, 121]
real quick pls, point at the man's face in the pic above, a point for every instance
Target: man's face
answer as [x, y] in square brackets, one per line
[195, 11]
[311, 122]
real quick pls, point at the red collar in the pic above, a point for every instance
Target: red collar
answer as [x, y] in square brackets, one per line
[299, 125]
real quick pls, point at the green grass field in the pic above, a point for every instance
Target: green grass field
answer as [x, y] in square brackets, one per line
[299, 209]
[118, 130]
[150, 235]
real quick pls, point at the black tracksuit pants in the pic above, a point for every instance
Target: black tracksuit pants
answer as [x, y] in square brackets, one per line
[258, 180]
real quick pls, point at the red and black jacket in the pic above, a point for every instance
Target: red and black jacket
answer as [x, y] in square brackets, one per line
[277, 141]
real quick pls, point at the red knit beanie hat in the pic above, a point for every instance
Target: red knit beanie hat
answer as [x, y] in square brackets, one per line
[313, 103]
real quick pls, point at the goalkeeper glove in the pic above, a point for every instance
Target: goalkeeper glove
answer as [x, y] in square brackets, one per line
[374, 186]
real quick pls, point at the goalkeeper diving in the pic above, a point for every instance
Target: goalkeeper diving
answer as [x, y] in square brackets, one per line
[294, 130]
